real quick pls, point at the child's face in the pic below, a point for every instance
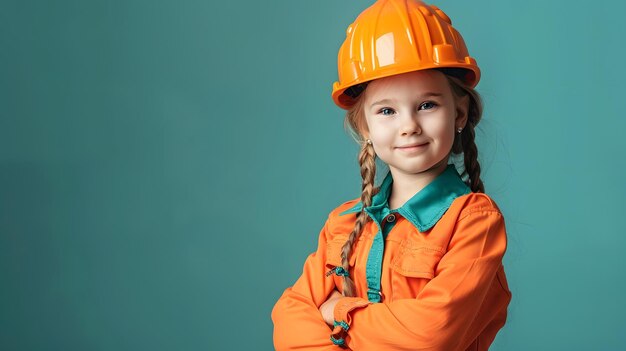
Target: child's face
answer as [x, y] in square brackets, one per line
[411, 115]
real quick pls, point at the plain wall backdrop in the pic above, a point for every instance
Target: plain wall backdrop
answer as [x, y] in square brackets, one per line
[166, 166]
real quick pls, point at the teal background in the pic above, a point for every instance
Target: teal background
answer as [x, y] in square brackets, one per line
[166, 166]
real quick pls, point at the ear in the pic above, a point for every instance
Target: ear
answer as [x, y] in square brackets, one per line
[462, 107]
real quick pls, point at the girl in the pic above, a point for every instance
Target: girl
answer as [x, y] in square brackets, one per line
[415, 263]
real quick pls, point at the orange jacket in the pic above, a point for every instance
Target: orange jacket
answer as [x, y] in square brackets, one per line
[428, 275]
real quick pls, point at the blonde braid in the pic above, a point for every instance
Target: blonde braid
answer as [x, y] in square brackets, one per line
[367, 162]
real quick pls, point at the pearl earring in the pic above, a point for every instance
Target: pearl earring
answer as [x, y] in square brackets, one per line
[459, 130]
[369, 141]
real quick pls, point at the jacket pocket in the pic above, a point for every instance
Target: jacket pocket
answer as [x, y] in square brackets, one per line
[417, 260]
[333, 252]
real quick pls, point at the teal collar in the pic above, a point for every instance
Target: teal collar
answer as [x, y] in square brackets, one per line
[426, 207]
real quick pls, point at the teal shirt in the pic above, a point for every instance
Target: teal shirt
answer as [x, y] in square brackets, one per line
[423, 210]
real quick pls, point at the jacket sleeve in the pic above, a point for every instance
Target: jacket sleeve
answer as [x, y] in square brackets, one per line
[441, 315]
[298, 323]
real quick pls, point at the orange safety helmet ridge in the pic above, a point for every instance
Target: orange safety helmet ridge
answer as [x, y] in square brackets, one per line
[397, 36]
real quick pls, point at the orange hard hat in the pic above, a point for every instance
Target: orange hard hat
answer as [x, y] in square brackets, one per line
[398, 36]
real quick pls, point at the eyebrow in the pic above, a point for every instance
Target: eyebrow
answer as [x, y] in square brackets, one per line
[387, 101]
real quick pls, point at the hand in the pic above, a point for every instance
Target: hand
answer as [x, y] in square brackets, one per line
[327, 309]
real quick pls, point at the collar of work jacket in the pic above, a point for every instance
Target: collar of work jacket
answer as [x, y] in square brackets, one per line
[426, 207]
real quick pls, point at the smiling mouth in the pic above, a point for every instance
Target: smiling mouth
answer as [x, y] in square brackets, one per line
[414, 147]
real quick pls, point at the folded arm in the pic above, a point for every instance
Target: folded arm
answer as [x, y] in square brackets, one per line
[298, 323]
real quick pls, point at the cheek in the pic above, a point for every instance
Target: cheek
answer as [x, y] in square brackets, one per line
[381, 136]
[440, 128]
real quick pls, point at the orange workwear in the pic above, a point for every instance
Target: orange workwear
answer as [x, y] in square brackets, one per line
[428, 275]
[398, 36]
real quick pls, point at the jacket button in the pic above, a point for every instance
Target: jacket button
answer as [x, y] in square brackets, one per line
[391, 218]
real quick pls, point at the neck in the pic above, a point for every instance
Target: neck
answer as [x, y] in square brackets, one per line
[406, 185]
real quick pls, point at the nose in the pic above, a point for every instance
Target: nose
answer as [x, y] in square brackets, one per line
[410, 124]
